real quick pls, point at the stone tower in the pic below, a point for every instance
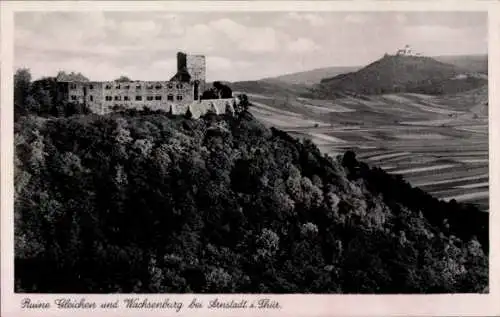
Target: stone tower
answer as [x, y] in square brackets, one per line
[195, 66]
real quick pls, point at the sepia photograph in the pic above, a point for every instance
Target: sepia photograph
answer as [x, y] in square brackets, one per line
[251, 152]
[248, 152]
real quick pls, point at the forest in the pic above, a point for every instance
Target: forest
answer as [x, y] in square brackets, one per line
[146, 202]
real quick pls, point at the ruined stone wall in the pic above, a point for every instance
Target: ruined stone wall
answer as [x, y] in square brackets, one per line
[95, 96]
[175, 96]
[217, 106]
[76, 92]
[179, 109]
[196, 67]
[62, 91]
[101, 97]
[88, 93]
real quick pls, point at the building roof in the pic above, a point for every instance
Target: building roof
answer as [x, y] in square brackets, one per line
[71, 77]
[181, 75]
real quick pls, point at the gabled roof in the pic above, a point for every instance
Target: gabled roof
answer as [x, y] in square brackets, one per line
[182, 75]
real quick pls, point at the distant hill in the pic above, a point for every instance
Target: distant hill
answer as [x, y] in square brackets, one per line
[275, 88]
[311, 77]
[471, 63]
[166, 204]
[434, 75]
[392, 74]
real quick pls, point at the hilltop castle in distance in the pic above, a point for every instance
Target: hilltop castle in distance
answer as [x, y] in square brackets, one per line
[407, 51]
[178, 95]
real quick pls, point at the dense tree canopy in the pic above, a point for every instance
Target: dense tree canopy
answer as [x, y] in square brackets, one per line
[394, 74]
[142, 201]
[123, 79]
[218, 90]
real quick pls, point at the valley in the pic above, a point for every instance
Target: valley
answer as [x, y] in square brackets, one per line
[438, 143]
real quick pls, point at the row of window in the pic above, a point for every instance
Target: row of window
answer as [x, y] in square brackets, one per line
[157, 86]
[137, 98]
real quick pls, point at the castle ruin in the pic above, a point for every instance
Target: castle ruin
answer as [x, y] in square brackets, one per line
[178, 95]
[406, 51]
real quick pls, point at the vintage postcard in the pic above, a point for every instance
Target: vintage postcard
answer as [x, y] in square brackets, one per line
[254, 158]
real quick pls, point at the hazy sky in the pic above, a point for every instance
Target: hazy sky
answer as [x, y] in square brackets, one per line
[238, 46]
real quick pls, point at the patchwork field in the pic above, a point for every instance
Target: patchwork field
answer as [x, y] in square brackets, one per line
[439, 144]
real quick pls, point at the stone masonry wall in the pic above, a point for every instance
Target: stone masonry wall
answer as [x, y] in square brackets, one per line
[76, 92]
[217, 106]
[101, 97]
[174, 96]
[95, 96]
[196, 67]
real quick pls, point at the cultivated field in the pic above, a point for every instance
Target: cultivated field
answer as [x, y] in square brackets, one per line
[439, 144]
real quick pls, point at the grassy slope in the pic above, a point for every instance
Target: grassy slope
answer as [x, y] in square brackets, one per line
[274, 88]
[432, 134]
[426, 130]
[311, 77]
[471, 63]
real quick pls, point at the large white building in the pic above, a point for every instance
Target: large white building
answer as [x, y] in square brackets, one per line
[406, 51]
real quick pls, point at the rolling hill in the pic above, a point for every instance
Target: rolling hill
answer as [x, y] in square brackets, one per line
[438, 142]
[311, 77]
[437, 75]
[274, 88]
[434, 129]
[471, 63]
[393, 74]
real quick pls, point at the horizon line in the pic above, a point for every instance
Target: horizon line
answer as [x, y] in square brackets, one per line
[260, 78]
